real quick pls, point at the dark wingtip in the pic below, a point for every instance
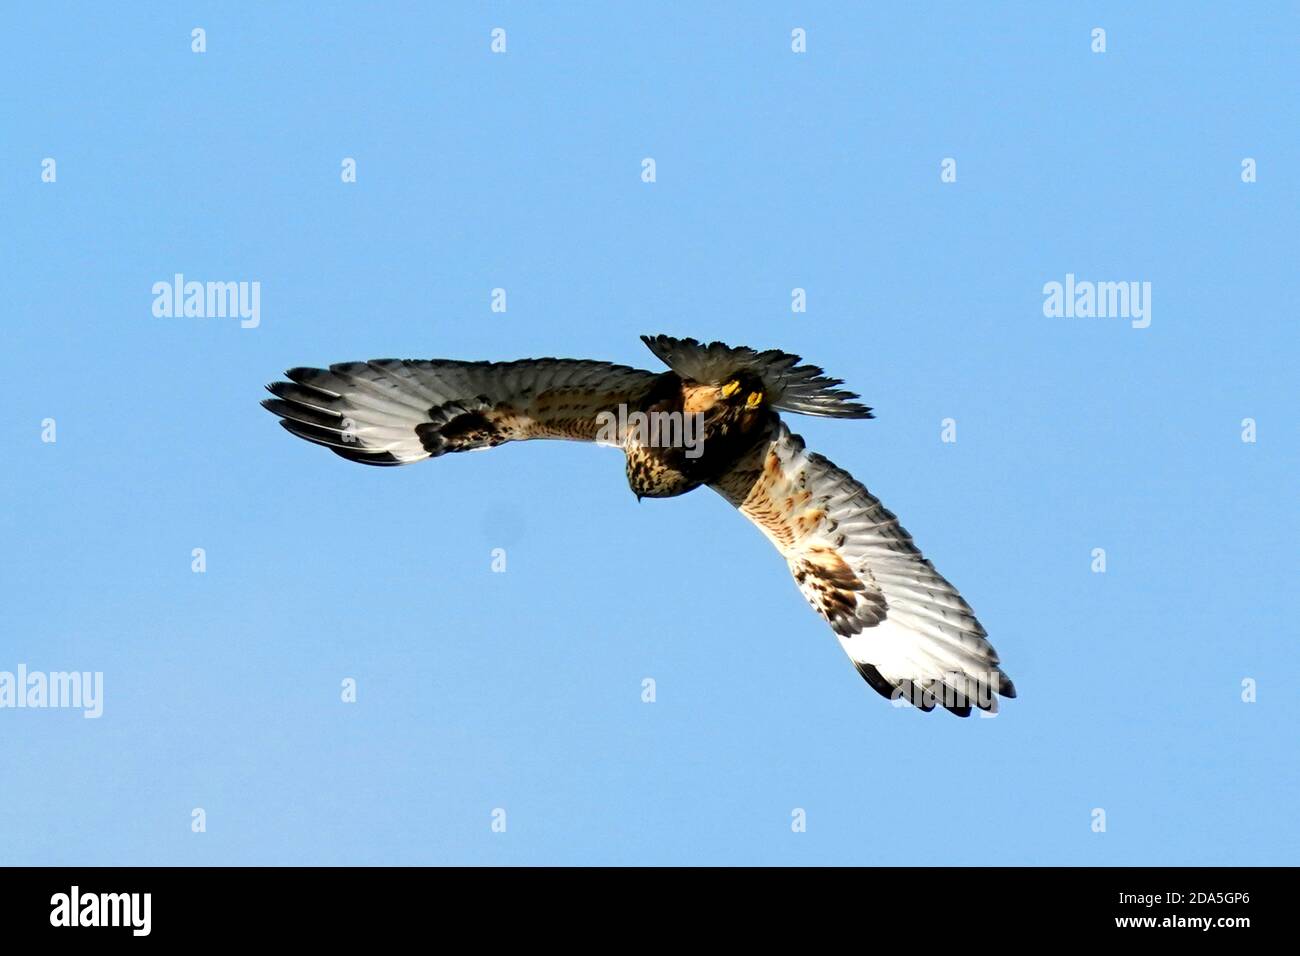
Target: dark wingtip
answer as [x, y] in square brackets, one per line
[919, 698]
[372, 458]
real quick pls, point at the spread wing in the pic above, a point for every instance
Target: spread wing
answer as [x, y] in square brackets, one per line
[394, 411]
[906, 629]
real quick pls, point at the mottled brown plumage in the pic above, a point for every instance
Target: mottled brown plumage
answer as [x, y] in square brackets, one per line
[730, 425]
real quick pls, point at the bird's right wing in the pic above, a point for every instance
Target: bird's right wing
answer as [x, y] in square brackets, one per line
[906, 629]
[392, 411]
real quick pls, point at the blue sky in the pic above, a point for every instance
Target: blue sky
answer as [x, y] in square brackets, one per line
[522, 171]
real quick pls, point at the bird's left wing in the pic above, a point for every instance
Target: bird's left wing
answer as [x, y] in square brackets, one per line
[906, 629]
[394, 411]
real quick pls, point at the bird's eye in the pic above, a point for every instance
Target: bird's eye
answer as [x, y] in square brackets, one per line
[731, 388]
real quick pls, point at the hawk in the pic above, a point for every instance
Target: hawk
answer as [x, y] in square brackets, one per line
[905, 628]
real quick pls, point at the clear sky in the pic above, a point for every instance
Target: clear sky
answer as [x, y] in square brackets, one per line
[522, 690]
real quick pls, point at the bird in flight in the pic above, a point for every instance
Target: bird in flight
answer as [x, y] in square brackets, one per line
[712, 419]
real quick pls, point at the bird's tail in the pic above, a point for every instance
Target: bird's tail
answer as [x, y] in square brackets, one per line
[791, 387]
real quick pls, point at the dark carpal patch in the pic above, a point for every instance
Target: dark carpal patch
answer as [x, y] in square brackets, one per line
[837, 593]
[469, 427]
[453, 427]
